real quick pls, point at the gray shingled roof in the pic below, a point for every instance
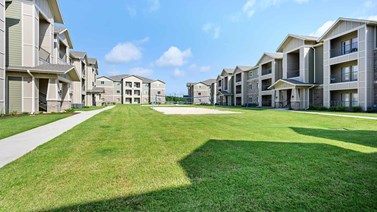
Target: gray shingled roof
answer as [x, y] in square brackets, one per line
[96, 90]
[275, 55]
[305, 37]
[47, 68]
[92, 61]
[229, 70]
[293, 82]
[77, 55]
[120, 77]
[209, 81]
[245, 68]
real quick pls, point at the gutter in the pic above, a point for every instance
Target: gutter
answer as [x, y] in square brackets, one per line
[33, 92]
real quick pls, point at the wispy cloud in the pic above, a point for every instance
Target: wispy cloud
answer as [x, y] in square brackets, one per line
[174, 57]
[153, 5]
[212, 29]
[141, 71]
[253, 6]
[131, 10]
[177, 73]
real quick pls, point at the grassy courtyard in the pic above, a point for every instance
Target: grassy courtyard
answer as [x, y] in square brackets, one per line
[14, 125]
[133, 158]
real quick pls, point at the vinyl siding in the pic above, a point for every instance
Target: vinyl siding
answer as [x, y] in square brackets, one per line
[15, 94]
[13, 34]
[2, 56]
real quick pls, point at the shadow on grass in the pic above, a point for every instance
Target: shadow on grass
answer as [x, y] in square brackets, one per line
[361, 137]
[252, 175]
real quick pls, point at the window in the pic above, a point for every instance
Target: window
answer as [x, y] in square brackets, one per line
[345, 74]
[199, 94]
[250, 74]
[346, 46]
[102, 82]
[158, 92]
[345, 99]
[355, 72]
[251, 87]
[118, 91]
[349, 46]
[354, 45]
[355, 99]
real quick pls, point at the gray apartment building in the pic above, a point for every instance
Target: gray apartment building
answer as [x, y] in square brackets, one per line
[337, 69]
[202, 92]
[131, 89]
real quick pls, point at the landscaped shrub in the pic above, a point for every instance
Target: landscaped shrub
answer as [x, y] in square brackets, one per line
[13, 113]
[314, 107]
[25, 113]
[332, 108]
[357, 109]
[340, 108]
[70, 110]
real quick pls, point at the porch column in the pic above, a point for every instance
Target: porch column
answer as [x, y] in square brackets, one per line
[277, 99]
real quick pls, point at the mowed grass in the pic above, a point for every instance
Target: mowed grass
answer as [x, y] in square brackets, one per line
[89, 108]
[132, 158]
[15, 125]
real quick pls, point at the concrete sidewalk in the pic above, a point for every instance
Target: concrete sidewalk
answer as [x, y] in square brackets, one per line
[16, 146]
[338, 115]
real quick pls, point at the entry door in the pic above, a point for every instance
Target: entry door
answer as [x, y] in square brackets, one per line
[289, 95]
[14, 94]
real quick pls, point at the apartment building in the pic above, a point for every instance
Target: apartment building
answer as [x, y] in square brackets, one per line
[240, 85]
[93, 94]
[252, 86]
[202, 92]
[349, 64]
[225, 82]
[38, 75]
[80, 61]
[131, 89]
[270, 70]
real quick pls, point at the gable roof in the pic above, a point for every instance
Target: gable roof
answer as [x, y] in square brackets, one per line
[55, 9]
[228, 71]
[105, 77]
[272, 55]
[209, 81]
[122, 76]
[49, 69]
[292, 82]
[77, 55]
[60, 30]
[345, 19]
[93, 61]
[245, 68]
[289, 37]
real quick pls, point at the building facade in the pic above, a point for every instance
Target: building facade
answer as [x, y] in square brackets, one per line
[131, 89]
[202, 92]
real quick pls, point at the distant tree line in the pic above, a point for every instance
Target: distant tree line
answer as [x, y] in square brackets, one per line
[175, 99]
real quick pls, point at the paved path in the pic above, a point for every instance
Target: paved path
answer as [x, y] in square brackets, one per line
[339, 115]
[16, 146]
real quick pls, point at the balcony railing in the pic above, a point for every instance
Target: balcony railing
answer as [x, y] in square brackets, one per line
[337, 80]
[265, 87]
[293, 73]
[265, 72]
[44, 55]
[345, 49]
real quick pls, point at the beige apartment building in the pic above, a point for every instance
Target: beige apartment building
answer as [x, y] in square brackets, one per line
[225, 84]
[240, 85]
[202, 92]
[131, 89]
[38, 75]
[93, 94]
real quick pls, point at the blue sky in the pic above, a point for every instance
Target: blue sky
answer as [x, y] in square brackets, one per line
[182, 41]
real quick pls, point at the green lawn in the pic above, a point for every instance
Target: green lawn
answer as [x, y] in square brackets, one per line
[89, 108]
[14, 125]
[133, 158]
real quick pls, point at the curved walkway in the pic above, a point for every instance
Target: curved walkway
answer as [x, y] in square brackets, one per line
[16, 146]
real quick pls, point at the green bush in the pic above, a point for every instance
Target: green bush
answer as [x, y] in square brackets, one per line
[340, 108]
[314, 107]
[26, 113]
[332, 108]
[13, 113]
[70, 110]
[357, 109]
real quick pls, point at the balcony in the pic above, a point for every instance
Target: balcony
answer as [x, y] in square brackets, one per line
[345, 44]
[267, 68]
[44, 56]
[344, 98]
[345, 49]
[266, 84]
[346, 72]
[128, 85]
[128, 92]
[62, 60]
[137, 93]
[238, 89]
[238, 78]
[137, 84]
[293, 64]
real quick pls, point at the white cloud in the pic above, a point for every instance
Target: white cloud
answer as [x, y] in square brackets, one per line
[131, 10]
[212, 29]
[321, 30]
[141, 72]
[372, 18]
[174, 57]
[153, 5]
[252, 6]
[123, 53]
[177, 73]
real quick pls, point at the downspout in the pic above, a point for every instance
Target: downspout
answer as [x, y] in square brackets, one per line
[33, 92]
[314, 65]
